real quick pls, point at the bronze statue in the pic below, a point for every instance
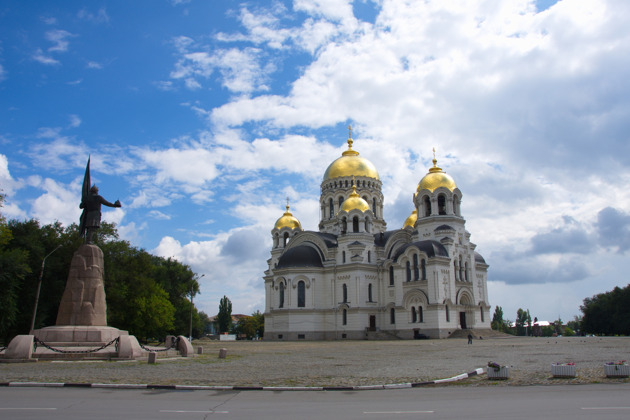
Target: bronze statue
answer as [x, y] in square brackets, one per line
[91, 203]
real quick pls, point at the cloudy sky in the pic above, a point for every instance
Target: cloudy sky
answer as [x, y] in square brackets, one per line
[203, 116]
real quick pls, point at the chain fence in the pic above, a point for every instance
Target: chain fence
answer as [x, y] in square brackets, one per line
[38, 342]
[174, 343]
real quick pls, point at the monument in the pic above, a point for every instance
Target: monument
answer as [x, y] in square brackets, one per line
[81, 330]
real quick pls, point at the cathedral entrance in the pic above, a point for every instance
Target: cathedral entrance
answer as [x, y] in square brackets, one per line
[372, 322]
[462, 320]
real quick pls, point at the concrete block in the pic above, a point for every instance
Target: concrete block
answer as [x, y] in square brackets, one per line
[21, 347]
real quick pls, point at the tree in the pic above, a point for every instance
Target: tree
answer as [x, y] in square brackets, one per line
[13, 270]
[607, 313]
[523, 320]
[224, 317]
[498, 323]
[576, 324]
[251, 326]
[146, 295]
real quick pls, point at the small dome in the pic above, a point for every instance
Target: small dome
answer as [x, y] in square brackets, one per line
[287, 220]
[354, 202]
[351, 164]
[411, 220]
[435, 179]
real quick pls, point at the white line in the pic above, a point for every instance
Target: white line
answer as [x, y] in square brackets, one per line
[398, 412]
[192, 411]
[605, 408]
[26, 408]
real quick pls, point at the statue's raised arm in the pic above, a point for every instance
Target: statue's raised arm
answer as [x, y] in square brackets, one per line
[91, 203]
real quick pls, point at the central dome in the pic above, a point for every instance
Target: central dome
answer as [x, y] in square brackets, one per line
[351, 164]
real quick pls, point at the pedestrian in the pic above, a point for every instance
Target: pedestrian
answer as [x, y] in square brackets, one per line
[470, 337]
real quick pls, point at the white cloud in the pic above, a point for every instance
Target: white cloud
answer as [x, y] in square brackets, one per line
[39, 56]
[57, 203]
[75, 121]
[240, 70]
[94, 65]
[99, 17]
[59, 38]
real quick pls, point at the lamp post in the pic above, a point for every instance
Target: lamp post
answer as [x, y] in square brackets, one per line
[39, 286]
[191, 308]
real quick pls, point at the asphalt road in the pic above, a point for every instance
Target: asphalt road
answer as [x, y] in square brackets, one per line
[604, 401]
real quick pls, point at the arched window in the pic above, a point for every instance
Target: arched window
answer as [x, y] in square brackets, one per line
[345, 293]
[466, 271]
[448, 314]
[331, 209]
[301, 294]
[343, 256]
[420, 314]
[427, 206]
[441, 204]
[416, 271]
[285, 238]
[281, 297]
[391, 275]
[408, 269]
[370, 292]
[369, 256]
[355, 224]
[344, 317]
[455, 269]
[374, 207]
[414, 316]
[392, 316]
[344, 225]
[423, 269]
[340, 202]
[461, 269]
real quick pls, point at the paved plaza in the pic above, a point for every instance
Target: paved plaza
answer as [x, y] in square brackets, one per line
[346, 363]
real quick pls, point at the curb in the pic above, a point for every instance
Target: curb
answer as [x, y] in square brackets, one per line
[475, 372]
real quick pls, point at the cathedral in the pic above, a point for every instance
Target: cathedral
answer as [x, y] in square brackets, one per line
[354, 279]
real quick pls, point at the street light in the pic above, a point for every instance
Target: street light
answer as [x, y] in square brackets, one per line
[39, 286]
[191, 308]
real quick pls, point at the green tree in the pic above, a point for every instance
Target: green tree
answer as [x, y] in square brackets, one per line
[13, 270]
[146, 295]
[523, 322]
[224, 317]
[498, 323]
[575, 324]
[607, 313]
[251, 326]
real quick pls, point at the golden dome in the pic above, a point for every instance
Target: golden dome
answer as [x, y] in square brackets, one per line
[354, 202]
[411, 220]
[287, 220]
[436, 178]
[351, 164]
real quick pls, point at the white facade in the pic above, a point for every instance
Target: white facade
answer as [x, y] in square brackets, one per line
[353, 279]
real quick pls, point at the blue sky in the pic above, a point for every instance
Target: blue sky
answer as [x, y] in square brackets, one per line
[203, 116]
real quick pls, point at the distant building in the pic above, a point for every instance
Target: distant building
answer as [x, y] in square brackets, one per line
[354, 279]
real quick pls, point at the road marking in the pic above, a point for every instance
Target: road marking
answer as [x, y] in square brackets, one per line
[27, 408]
[193, 411]
[399, 412]
[605, 408]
